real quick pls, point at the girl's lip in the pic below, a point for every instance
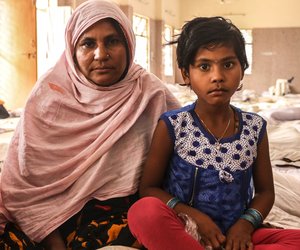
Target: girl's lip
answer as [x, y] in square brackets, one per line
[217, 91]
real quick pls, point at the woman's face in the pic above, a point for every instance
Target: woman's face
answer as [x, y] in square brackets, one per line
[100, 53]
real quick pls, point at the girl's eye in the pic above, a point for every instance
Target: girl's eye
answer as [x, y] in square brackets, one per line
[204, 67]
[228, 65]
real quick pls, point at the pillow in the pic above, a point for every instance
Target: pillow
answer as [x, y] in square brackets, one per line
[286, 114]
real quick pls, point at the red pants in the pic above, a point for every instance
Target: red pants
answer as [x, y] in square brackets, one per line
[157, 227]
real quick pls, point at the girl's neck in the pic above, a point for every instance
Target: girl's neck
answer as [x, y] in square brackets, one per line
[219, 121]
[214, 113]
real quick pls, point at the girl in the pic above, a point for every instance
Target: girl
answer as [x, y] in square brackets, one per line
[209, 162]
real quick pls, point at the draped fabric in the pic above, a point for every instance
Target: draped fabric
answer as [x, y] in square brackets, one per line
[77, 141]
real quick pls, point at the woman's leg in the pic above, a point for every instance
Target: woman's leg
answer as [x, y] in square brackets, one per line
[99, 224]
[157, 227]
[14, 238]
[276, 239]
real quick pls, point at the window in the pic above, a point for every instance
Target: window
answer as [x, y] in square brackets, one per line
[141, 31]
[51, 23]
[248, 39]
[168, 51]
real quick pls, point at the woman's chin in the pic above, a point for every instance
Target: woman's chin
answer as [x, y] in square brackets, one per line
[103, 82]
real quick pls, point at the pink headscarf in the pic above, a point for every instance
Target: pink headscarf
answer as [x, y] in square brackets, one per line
[77, 141]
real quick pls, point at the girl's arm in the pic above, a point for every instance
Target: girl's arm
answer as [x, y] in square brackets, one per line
[263, 179]
[157, 163]
[152, 179]
[240, 232]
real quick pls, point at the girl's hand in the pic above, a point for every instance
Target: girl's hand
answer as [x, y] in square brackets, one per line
[239, 236]
[211, 235]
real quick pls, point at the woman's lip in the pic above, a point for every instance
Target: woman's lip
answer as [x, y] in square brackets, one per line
[103, 70]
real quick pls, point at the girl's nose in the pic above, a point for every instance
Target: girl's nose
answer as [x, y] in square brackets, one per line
[217, 74]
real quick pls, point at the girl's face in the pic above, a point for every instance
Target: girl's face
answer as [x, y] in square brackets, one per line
[215, 74]
[100, 54]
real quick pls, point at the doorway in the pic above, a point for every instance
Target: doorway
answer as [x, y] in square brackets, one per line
[18, 51]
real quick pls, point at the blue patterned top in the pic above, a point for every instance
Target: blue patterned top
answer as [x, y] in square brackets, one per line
[217, 181]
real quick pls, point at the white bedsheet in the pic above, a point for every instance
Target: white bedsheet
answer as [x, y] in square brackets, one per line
[284, 146]
[285, 212]
[284, 140]
[7, 127]
[4, 142]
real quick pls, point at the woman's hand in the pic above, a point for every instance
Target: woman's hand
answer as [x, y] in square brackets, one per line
[54, 241]
[239, 236]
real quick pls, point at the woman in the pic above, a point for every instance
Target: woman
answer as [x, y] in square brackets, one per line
[73, 165]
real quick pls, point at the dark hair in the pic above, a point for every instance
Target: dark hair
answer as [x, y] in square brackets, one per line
[207, 32]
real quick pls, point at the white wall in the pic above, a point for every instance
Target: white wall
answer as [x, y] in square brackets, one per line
[246, 14]
[167, 10]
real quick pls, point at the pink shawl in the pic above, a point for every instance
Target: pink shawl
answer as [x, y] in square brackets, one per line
[77, 141]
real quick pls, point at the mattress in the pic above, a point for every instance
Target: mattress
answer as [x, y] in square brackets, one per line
[7, 127]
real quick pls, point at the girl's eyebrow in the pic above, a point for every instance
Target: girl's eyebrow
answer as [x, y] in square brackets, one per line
[228, 58]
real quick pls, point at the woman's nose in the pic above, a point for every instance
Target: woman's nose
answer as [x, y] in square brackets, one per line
[100, 53]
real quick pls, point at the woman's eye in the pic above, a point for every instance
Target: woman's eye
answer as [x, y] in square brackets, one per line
[114, 41]
[88, 43]
[204, 67]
